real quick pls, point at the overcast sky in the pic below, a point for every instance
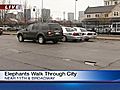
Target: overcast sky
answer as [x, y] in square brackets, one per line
[57, 7]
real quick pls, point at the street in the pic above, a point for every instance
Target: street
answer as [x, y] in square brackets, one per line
[29, 55]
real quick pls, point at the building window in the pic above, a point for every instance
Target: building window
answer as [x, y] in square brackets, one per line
[106, 15]
[88, 16]
[106, 3]
[97, 15]
[116, 13]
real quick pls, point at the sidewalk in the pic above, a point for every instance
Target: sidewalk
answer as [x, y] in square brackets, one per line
[99, 37]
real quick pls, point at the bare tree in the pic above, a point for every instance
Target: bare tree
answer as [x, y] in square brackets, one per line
[4, 12]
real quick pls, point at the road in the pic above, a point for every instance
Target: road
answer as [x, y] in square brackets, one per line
[29, 55]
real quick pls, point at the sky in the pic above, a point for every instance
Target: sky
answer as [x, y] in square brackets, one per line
[57, 7]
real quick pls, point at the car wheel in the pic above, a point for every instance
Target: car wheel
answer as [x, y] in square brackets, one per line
[80, 40]
[20, 38]
[41, 40]
[64, 39]
[55, 41]
[34, 40]
[86, 39]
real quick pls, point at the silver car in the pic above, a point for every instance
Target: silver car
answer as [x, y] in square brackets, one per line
[71, 34]
[86, 35]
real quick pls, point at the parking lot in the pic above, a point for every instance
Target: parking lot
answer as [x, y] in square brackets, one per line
[29, 55]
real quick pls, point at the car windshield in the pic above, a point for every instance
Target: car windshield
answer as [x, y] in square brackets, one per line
[83, 30]
[75, 29]
[69, 29]
[54, 27]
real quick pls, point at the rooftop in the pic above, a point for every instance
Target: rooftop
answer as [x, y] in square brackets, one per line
[99, 9]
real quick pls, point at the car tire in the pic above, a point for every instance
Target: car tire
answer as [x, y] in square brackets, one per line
[20, 38]
[75, 40]
[81, 40]
[64, 39]
[55, 41]
[86, 39]
[34, 40]
[41, 40]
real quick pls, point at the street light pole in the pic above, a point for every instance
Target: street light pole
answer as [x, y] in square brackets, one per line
[25, 12]
[64, 15]
[35, 11]
[42, 4]
[75, 9]
[42, 12]
[3, 13]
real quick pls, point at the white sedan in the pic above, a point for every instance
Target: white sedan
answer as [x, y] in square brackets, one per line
[86, 34]
[71, 34]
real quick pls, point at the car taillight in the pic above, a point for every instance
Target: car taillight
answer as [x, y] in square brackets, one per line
[49, 32]
[75, 34]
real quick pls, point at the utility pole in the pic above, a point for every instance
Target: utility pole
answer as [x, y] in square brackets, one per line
[38, 14]
[64, 15]
[34, 10]
[42, 12]
[3, 13]
[75, 9]
[25, 16]
[64, 18]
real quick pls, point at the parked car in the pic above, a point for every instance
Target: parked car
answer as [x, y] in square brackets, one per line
[1, 31]
[71, 34]
[16, 28]
[86, 35]
[41, 32]
[115, 28]
[5, 27]
[102, 30]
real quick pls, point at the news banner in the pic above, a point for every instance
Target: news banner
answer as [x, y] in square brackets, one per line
[69, 76]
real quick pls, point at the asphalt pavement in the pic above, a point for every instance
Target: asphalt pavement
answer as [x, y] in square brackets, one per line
[92, 55]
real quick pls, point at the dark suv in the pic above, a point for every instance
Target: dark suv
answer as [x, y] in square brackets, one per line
[41, 32]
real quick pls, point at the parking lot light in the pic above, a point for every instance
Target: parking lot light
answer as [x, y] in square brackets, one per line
[75, 9]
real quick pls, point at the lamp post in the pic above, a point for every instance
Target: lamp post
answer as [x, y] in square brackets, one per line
[42, 4]
[64, 17]
[42, 12]
[75, 9]
[3, 13]
[35, 13]
[25, 11]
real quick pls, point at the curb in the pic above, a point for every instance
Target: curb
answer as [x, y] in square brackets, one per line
[108, 38]
[4, 33]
